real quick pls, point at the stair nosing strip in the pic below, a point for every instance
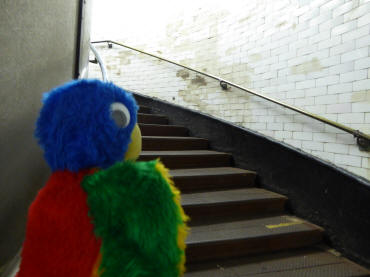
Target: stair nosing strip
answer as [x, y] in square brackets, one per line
[152, 114]
[225, 203]
[220, 241]
[212, 153]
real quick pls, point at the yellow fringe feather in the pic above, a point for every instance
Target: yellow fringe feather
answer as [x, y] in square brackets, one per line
[183, 229]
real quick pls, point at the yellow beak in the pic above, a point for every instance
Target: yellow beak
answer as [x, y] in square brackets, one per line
[134, 148]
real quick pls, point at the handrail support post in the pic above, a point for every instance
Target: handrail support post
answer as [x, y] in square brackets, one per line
[100, 62]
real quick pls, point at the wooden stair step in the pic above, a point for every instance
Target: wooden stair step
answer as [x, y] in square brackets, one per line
[245, 202]
[188, 158]
[144, 109]
[262, 235]
[151, 118]
[198, 179]
[163, 130]
[150, 143]
[315, 261]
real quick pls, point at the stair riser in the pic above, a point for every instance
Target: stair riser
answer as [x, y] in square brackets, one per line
[176, 162]
[247, 208]
[158, 130]
[202, 183]
[197, 252]
[158, 144]
[151, 119]
[143, 109]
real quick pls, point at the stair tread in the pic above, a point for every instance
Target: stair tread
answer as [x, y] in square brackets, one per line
[310, 261]
[209, 171]
[162, 130]
[172, 138]
[151, 114]
[228, 196]
[182, 153]
[153, 143]
[188, 158]
[144, 109]
[247, 229]
[160, 125]
[152, 118]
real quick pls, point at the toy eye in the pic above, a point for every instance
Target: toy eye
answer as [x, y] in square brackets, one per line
[120, 114]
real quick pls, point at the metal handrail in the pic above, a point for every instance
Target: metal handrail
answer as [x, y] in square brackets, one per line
[363, 140]
[100, 62]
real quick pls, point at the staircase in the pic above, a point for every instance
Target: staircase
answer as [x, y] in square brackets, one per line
[237, 229]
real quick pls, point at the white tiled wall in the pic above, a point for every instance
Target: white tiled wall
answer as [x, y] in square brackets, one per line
[311, 54]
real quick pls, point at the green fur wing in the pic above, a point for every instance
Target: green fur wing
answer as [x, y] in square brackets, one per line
[134, 213]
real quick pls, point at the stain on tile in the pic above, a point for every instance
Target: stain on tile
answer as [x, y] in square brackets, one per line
[255, 57]
[183, 73]
[281, 24]
[307, 67]
[199, 81]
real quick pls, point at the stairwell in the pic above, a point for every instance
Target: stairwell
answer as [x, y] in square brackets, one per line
[237, 229]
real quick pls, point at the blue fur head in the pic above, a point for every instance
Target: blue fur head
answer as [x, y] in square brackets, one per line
[76, 129]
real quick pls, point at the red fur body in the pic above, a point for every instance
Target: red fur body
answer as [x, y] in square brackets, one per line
[60, 240]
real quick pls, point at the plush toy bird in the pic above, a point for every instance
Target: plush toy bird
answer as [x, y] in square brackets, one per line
[99, 215]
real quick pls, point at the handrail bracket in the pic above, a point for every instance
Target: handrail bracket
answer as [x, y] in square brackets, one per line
[223, 85]
[362, 142]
